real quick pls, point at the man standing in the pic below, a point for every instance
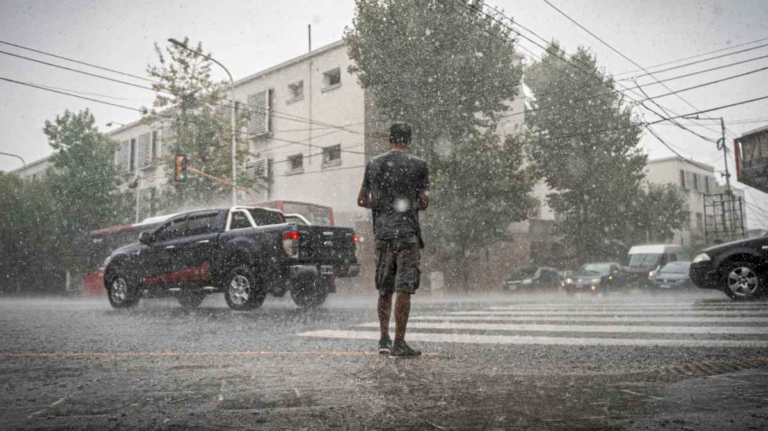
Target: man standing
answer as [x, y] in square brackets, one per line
[395, 188]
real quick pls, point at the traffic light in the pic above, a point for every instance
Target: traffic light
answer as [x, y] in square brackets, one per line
[180, 172]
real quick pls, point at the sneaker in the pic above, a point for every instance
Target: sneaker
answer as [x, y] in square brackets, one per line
[385, 346]
[402, 350]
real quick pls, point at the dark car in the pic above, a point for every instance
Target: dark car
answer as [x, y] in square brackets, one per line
[738, 268]
[533, 278]
[672, 276]
[244, 252]
[598, 277]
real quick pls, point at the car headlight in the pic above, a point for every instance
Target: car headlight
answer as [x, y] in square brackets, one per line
[701, 257]
[651, 274]
[568, 280]
[595, 281]
[527, 281]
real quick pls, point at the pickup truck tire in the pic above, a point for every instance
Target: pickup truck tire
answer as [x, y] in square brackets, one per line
[241, 290]
[122, 293]
[310, 293]
[190, 299]
[742, 281]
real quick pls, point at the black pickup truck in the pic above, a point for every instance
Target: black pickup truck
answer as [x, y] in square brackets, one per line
[245, 252]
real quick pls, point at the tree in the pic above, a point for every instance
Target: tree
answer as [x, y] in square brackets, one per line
[84, 181]
[450, 72]
[664, 209]
[195, 116]
[585, 144]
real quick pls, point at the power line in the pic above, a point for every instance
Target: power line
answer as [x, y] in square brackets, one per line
[700, 55]
[39, 87]
[688, 75]
[697, 62]
[744, 102]
[619, 53]
[78, 62]
[323, 171]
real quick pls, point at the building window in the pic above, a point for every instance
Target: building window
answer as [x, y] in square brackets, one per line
[699, 220]
[332, 79]
[155, 144]
[682, 179]
[332, 155]
[297, 91]
[259, 107]
[296, 164]
[696, 181]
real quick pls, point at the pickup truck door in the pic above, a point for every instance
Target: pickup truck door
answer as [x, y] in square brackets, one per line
[162, 253]
[197, 247]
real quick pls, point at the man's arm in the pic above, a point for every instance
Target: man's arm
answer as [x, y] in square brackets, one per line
[364, 198]
[424, 190]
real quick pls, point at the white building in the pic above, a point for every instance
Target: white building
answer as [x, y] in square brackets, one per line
[696, 180]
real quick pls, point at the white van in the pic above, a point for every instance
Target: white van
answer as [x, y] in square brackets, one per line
[644, 260]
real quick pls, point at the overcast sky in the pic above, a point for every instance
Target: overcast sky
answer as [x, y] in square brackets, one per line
[251, 35]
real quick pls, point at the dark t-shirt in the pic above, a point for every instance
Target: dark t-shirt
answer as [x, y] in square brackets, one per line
[394, 180]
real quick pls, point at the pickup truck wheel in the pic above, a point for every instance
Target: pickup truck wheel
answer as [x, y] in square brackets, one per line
[742, 282]
[310, 294]
[120, 291]
[189, 299]
[241, 291]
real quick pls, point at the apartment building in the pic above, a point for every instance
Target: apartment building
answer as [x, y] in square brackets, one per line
[696, 180]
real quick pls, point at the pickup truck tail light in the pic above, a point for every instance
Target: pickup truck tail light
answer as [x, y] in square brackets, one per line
[291, 243]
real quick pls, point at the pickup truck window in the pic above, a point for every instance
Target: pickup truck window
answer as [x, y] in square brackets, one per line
[201, 225]
[262, 217]
[239, 221]
[173, 229]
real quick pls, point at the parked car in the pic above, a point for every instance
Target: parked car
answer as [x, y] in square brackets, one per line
[672, 276]
[244, 252]
[738, 268]
[533, 278]
[598, 277]
[644, 260]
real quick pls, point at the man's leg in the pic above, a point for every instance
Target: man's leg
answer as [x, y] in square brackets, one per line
[385, 310]
[402, 310]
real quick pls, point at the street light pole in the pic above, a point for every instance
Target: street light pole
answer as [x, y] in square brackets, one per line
[14, 155]
[234, 127]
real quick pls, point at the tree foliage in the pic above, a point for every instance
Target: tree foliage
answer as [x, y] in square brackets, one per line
[584, 143]
[195, 115]
[664, 209]
[450, 72]
[47, 221]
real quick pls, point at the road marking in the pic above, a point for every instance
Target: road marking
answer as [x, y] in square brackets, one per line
[642, 395]
[622, 329]
[643, 305]
[539, 340]
[617, 319]
[183, 353]
[762, 313]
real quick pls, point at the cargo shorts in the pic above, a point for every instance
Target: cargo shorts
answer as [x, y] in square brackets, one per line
[397, 265]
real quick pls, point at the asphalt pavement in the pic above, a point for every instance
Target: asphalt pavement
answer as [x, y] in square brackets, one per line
[626, 361]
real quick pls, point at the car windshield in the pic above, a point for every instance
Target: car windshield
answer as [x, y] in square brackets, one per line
[676, 268]
[525, 273]
[597, 268]
[643, 260]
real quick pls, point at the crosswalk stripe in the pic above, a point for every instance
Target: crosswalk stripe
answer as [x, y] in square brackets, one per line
[621, 329]
[763, 313]
[639, 305]
[538, 340]
[616, 319]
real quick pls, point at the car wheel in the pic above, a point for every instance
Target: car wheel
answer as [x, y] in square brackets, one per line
[310, 293]
[241, 290]
[190, 299]
[121, 291]
[741, 282]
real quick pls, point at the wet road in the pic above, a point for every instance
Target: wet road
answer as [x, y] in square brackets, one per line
[684, 362]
